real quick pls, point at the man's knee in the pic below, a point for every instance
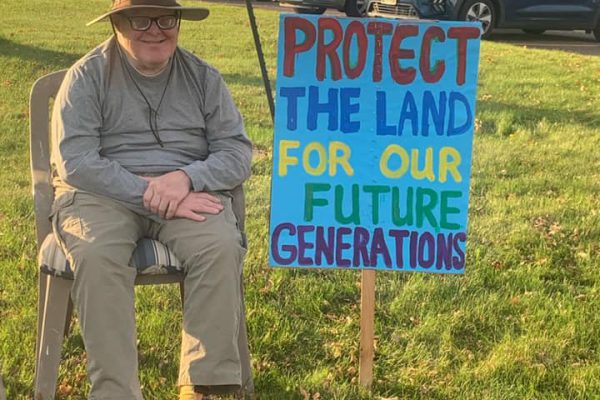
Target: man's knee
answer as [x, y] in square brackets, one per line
[101, 258]
[224, 243]
[223, 253]
[218, 245]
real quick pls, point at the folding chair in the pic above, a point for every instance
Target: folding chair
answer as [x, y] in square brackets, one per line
[154, 262]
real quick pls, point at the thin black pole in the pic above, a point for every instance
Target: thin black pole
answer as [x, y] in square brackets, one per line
[261, 58]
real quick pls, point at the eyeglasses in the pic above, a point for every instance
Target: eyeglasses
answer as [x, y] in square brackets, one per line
[142, 24]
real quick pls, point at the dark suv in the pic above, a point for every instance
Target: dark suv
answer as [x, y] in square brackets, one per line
[533, 16]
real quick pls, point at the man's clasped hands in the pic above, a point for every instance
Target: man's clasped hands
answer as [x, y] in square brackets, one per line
[170, 196]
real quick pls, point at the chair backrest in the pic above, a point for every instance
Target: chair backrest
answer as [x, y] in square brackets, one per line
[42, 93]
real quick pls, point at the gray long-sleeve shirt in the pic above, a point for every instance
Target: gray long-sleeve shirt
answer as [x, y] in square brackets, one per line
[102, 141]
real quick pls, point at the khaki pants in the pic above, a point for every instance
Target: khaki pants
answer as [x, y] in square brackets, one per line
[99, 236]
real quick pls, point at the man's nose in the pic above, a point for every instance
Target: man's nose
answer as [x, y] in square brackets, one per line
[154, 29]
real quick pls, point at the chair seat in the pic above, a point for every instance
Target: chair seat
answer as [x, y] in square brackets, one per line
[150, 257]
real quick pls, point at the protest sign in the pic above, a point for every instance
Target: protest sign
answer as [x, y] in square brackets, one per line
[372, 146]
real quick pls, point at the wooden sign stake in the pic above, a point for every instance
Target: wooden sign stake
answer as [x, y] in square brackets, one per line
[367, 327]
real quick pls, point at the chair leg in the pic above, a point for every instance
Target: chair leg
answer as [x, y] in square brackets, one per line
[56, 292]
[182, 292]
[42, 283]
[247, 381]
[68, 317]
[2, 394]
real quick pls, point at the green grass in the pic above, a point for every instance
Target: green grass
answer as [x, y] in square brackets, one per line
[523, 323]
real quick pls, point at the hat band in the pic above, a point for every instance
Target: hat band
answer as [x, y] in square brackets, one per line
[119, 4]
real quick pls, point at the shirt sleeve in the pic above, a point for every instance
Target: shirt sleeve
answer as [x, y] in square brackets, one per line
[76, 124]
[229, 149]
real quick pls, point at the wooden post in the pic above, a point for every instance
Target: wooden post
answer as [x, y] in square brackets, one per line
[367, 327]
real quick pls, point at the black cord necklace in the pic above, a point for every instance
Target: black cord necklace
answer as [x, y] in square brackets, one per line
[152, 113]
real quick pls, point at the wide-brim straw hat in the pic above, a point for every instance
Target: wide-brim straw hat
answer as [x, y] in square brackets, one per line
[189, 13]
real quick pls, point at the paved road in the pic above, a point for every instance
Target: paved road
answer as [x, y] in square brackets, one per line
[573, 42]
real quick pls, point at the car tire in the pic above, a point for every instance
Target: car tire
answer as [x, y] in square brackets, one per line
[356, 8]
[534, 31]
[482, 11]
[312, 10]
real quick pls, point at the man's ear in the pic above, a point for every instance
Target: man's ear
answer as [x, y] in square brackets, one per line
[116, 22]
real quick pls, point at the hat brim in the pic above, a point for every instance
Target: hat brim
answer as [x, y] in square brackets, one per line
[187, 13]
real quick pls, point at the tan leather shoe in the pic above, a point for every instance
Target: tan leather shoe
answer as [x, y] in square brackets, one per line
[187, 393]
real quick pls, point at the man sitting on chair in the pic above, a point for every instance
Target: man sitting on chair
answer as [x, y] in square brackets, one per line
[147, 142]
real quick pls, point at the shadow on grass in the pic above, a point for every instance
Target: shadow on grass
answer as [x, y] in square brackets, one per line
[48, 58]
[55, 60]
[507, 118]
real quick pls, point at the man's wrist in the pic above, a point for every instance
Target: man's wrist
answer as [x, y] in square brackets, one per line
[186, 178]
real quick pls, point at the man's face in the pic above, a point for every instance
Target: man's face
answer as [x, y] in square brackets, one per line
[149, 50]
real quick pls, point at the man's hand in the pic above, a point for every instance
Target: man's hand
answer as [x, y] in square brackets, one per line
[164, 193]
[196, 203]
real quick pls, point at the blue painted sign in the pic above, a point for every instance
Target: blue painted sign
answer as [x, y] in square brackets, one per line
[372, 146]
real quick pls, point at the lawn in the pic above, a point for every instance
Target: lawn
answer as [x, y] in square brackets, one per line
[523, 323]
